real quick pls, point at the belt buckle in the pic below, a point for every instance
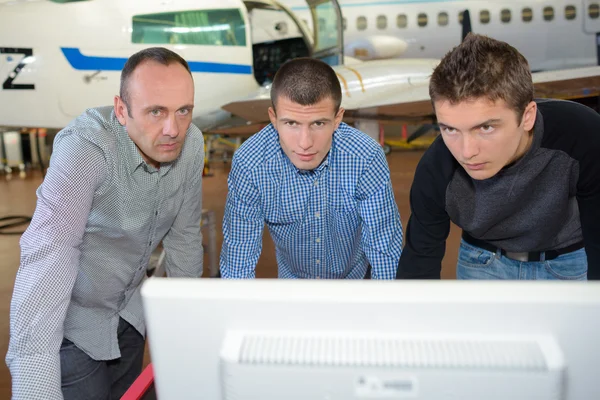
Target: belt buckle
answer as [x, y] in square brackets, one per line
[520, 256]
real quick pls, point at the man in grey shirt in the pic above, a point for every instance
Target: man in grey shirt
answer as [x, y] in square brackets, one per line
[121, 179]
[519, 175]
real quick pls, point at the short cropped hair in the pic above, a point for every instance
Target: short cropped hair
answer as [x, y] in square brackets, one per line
[157, 54]
[306, 81]
[481, 67]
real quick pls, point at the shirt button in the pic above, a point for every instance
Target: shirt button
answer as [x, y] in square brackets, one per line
[316, 183]
[318, 261]
[318, 240]
[317, 214]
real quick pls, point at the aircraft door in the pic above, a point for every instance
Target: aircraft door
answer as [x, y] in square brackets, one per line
[327, 31]
[591, 16]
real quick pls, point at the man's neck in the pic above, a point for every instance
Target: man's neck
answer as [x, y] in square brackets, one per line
[523, 148]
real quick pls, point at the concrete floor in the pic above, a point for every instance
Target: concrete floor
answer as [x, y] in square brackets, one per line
[17, 197]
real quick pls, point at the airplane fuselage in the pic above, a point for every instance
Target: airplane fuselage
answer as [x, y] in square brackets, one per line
[58, 59]
[552, 34]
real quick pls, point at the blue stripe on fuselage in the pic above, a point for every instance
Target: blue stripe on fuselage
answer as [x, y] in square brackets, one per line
[90, 63]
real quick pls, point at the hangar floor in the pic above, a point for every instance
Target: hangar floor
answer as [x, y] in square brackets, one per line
[17, 197]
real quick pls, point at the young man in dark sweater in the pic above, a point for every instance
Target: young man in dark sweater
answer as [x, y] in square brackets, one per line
[520, 176]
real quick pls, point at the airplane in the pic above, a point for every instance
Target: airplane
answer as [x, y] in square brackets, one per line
[551, 34]
[51, 72]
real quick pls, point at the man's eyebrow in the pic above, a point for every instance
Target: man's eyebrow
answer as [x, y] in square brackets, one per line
[443, 125]
[490, 121]
[324, 119]
[155, 107]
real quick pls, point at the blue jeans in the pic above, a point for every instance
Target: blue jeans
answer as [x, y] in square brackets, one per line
[477, 263]
[86, 378]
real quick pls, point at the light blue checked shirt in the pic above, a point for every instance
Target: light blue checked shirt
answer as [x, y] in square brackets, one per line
[101, 211]
[328, 223]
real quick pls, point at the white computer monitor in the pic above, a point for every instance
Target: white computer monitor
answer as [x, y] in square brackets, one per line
[215, 339]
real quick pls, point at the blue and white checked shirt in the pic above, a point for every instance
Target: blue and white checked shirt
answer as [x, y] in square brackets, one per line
[101, 211]
[327, 223]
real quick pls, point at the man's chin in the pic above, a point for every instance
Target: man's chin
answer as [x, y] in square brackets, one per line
[305, 165]
[169, 157]
[481, 174]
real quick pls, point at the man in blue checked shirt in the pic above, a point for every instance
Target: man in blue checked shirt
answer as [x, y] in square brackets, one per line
[322, 188]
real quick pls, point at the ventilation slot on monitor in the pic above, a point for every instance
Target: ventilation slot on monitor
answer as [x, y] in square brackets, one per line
[390, 352]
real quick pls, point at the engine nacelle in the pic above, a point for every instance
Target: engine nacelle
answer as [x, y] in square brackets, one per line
[376, 48]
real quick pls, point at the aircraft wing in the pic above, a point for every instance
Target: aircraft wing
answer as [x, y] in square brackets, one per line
[568, 84]
[370, 90]
[397, 91]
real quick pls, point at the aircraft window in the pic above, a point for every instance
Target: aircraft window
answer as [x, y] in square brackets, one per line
[505, 15]
[527, 14]
[594, 10]
[570, 12]
[361, 23]
[401, 21]
[381, 22]
[443, 19]
[219, 27]
[422, 19]
[322, 25]
[460, 17]
[548, 13]
[484, 16]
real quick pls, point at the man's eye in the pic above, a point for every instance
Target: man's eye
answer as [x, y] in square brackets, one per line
[487, 129]
[155, 113]
[319, 123]
[448, 131]
[290, 123]
[183, 111]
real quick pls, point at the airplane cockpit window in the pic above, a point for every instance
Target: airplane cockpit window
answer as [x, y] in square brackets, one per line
[460, 17]
[443, 18]
[594, 11]
[505, 15]
[527, 14]
[570, 12]
[361, 23]
[548, 13]
[422, 19]
[484, 16]
[401, 21]
[381, 22]
[220, 27]
[322, 25]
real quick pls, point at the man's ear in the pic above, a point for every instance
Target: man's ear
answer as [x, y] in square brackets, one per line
[273, 117]
[120, 110]
[529, 116]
